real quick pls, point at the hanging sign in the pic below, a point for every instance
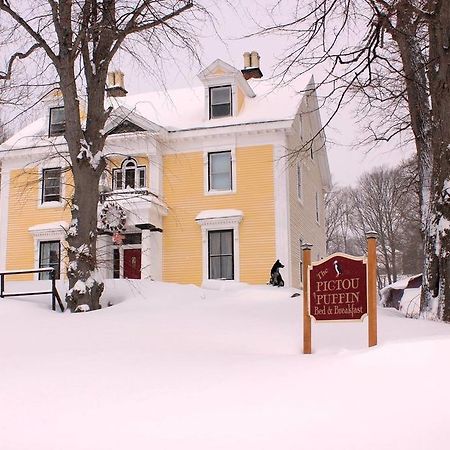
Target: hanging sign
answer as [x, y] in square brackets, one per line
[338, 288]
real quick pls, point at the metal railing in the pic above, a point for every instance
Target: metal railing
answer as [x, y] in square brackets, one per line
[53, 291]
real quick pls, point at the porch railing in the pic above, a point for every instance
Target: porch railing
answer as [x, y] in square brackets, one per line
[53, 291]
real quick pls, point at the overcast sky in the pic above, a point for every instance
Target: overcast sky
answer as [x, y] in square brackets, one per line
[235, 19]
[347, 163]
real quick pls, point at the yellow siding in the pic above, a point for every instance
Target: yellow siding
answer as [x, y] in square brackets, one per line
[184, 194]
[24, 212]
[241, 99]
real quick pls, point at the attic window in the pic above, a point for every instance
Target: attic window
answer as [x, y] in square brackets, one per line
[125, 127]
[57, 124]
[219, 102]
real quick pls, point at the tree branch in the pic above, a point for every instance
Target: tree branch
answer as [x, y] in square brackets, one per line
[18, 55]
[4, 6]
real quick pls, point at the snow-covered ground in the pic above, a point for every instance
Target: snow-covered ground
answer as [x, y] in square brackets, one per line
[179, 367]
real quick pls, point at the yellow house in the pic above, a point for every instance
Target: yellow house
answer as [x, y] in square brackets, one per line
[203, 183]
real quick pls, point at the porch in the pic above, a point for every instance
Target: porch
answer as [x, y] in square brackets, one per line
[129, 242]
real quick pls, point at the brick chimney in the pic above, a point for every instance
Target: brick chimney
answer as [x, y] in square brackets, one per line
[251, 65]
[114, 85]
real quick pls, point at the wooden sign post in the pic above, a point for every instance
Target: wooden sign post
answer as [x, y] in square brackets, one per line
[306, 248]
[340, 288]
[372, 286]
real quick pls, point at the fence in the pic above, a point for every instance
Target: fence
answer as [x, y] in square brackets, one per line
[53, 291]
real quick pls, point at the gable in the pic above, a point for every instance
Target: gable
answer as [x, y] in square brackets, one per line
[126, 126]
[123, 120]
[220, 73]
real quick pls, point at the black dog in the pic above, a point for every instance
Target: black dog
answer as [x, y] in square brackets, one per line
[275, 275]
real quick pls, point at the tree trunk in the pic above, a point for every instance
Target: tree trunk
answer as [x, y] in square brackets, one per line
[84, 288]
[420, 113]
[432, 138]
[437, 295]
[84, 149]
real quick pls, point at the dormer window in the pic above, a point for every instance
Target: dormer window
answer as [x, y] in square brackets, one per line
[130, 175]
[225, 90]
[57, 123]
[220, 102]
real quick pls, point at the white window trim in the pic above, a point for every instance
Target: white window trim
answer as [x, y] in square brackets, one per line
[227, 80]
[123, 168]
[299, 167]
[62, 195]
[51, 108]
[210, 105]
[206, 153]
[220, 223]
[49, 232]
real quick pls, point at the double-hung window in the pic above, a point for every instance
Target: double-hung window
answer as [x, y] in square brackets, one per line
[220, 255]
[57, 125]
[51, 185]
[220, 102]
[49, 256]
[220, 171]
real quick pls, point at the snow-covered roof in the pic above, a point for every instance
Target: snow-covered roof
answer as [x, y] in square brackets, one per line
[34, 134]
[183, 109]
[400, 284]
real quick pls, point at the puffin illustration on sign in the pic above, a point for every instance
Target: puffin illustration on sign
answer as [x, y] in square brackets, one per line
[338, 288]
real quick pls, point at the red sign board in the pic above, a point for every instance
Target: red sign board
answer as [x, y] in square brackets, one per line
[338, 288]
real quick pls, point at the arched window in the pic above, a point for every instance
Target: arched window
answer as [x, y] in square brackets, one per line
[129, 176]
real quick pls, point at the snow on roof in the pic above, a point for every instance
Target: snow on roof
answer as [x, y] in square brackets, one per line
[36, 133]
[184, 109]
[218, 214]
[400, 284]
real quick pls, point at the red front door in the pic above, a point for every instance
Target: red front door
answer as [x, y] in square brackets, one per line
[132, 263]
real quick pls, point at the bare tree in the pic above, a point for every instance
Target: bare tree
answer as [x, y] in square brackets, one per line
[79, 39]
[381, 203]
[339, 213]
[400, 62]
[384, 200]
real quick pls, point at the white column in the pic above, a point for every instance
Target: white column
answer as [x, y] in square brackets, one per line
[157, 256]
[4, 197]
[155, 167]
[282, 225]
[146, 257]
[105, 255]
